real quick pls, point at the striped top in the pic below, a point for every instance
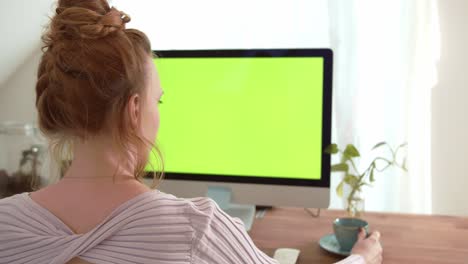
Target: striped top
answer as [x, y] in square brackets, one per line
[152, 227]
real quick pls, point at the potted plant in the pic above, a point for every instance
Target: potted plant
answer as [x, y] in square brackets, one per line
[354, 201]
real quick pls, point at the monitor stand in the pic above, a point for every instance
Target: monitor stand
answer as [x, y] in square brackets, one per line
[222, 196]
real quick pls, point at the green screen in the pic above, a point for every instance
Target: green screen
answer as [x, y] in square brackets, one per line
[242, 116]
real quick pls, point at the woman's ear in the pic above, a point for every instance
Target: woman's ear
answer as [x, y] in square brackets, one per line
[133, 110]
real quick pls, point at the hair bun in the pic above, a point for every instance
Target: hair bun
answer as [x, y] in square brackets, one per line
[79, 22]
[114, 17]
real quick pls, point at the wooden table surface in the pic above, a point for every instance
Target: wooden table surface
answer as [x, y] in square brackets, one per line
[406, 238]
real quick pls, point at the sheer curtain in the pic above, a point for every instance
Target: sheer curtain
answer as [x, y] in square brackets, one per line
[385, 59]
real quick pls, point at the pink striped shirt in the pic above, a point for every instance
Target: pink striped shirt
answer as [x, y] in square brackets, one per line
[153, 227]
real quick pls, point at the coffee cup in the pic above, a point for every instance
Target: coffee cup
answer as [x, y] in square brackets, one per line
[347, 230]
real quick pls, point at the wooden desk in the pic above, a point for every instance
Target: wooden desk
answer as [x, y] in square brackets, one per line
[405, 238]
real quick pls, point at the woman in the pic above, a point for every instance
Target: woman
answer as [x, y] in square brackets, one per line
[97, 94]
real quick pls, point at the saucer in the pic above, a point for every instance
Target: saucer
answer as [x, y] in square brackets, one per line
[330, 244]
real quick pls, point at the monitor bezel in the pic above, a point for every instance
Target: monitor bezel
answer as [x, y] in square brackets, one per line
[326, 54]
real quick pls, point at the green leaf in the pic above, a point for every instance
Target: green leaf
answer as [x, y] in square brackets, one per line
[352, 180]
[332, 149]
[382, 164]
[339, 167]
[378, 145]
[351, 151]
[371, 177]
[339, 189]
[403, 145]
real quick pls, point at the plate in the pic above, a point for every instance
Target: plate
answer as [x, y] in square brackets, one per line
[330, 244]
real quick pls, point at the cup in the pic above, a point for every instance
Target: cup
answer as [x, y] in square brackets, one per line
[346, 231]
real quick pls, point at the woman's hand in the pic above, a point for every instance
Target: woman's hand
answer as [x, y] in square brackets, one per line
[369, 248]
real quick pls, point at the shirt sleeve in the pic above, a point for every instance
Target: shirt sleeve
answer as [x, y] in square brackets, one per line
[353, 259]
[221, 239]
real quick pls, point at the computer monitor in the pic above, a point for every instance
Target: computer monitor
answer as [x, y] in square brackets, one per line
[253, 122]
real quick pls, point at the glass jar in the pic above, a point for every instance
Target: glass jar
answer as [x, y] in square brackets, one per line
[21, 158]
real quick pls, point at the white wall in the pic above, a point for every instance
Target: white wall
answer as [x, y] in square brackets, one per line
[21, 25]
[17, 94]
[228, 24]
[450, 113]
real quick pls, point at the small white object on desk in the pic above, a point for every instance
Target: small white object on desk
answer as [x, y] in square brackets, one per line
[286, 255]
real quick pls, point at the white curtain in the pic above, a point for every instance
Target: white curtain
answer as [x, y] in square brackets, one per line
[385, 58]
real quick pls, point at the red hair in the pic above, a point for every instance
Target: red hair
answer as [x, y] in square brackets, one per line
[90, 67]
